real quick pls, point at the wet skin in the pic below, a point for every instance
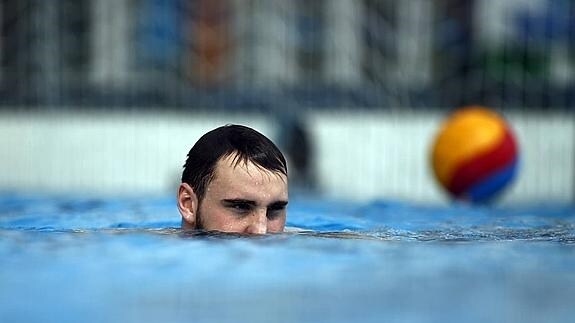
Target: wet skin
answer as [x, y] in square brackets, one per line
[242, 197]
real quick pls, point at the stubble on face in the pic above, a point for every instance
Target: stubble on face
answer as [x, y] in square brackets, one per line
[234, 180]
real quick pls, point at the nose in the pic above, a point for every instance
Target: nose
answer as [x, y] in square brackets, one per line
[258, 222]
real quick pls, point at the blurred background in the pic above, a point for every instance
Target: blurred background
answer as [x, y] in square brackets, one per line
[108, 96]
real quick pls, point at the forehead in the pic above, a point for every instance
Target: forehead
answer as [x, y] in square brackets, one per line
[236, 176]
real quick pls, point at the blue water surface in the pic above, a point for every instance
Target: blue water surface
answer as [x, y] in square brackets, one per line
[124, 259]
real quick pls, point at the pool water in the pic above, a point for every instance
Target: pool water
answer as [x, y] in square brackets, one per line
[78, 259]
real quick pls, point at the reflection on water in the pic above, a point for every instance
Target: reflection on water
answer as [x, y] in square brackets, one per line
[561, 234]
[126, 260]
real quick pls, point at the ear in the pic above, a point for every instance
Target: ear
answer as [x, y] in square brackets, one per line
[187, 205]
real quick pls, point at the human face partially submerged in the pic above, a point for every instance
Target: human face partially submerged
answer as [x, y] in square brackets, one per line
[242, 197]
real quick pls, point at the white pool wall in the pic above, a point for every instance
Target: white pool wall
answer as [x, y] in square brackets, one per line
[360, 155]
[387, 155]
[102, 153]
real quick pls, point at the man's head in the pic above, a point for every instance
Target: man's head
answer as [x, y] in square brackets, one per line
[234, 180]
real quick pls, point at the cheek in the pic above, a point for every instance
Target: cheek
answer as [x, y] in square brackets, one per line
[221, 219]
[276, 225]
[212, 216]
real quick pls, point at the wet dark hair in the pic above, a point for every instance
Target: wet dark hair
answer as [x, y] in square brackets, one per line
[245, 143]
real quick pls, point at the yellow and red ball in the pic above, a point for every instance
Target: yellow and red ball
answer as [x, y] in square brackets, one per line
[474, 155]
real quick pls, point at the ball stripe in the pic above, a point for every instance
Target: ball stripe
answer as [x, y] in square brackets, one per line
[483, 165]
[487, 188]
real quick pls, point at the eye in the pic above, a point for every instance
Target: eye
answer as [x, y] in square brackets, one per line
[275, 211]
[240, 207]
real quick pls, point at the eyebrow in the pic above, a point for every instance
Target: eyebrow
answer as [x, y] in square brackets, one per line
[239, 201]
[253, 203]
[278, 204]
